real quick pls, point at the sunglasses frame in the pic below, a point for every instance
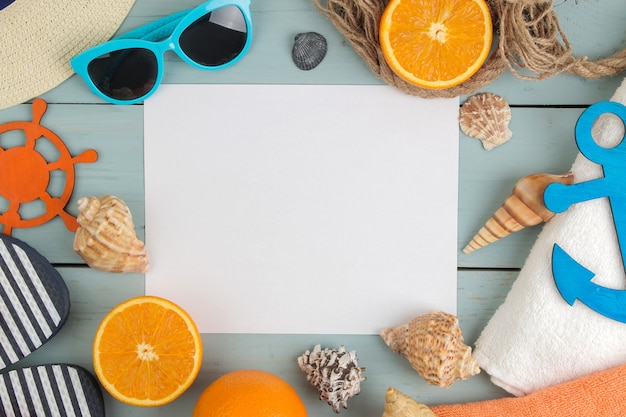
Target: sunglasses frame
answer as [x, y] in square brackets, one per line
[159, 37]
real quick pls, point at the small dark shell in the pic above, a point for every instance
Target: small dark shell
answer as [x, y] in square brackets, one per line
[309, 49]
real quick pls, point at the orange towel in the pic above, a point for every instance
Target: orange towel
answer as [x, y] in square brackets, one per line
[601, 394]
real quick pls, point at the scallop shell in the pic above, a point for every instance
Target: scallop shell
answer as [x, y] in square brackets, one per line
[106, 237]
[486, 116]
[309, 49]
[398, 404]
[335, 374]
[433, 344]
[524, 207]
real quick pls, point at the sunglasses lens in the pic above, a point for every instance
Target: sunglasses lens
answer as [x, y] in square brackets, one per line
[126, 74]
[216, 38]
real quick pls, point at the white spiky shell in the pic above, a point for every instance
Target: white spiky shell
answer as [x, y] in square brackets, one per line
[106, 237]
[334, 372]
[486, 116]
[433, 344]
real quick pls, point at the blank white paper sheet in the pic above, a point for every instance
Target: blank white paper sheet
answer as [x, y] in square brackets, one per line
[314, 209]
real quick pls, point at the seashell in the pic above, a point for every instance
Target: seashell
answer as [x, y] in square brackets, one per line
[433, 344]
[335, 374]
[309, 49]
[523, 208]
[106, 237]
[486, 116]
[398, 404]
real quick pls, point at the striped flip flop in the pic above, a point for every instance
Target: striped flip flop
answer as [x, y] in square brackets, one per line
[34, 300]
[59, 390]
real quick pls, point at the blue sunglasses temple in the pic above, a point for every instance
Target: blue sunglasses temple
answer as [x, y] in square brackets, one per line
[158, 29]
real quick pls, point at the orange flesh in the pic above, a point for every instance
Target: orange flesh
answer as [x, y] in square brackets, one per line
[147, 353]
[436, 43]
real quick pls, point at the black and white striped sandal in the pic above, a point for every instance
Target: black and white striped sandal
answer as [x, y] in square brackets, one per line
[34, 300]
[59, 390]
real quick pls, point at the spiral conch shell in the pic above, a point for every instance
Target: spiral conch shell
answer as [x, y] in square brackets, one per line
[523, 208]
[486, 116]
[433, 344]
[398, 404]
[106, 237]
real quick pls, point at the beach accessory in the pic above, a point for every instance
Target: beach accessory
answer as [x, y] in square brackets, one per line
[34, 301]
[572, 279]
[54, 390]
[536, 338]
[38, 38]
[532, 45]
[129, 68]
[25, 174]
[601, 394]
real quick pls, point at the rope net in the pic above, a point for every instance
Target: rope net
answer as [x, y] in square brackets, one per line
[531, 44]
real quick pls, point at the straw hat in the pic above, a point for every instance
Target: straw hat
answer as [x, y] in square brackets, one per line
[39, 37]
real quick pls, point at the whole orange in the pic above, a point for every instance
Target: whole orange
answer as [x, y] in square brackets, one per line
[249, 393]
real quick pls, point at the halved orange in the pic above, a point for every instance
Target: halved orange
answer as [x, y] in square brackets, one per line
[435, 43]
[147, 351]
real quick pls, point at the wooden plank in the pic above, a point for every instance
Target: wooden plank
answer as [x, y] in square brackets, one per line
[94, 293]
[593, 28]
[543, 141]
[116, 133]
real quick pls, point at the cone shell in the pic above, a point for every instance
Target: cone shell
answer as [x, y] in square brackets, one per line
[433, 344]
[106, 237]
[523, 208]
[398, 404]
[486, 116]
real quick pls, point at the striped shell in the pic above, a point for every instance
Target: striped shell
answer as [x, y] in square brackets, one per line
[486, 116]
[309, 49]
[106, 237]
[433, 344]
[524, 207]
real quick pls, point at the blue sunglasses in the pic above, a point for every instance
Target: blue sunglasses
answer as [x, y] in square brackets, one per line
[129, 68]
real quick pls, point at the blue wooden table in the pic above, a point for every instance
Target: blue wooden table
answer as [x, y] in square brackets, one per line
[544, 115]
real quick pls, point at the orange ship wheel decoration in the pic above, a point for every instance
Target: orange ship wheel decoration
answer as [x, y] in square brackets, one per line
[25, 174]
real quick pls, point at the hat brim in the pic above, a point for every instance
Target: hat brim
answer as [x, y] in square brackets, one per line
[39, 37]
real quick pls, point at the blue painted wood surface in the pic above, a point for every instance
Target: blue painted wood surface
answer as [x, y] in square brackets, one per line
[544, 116]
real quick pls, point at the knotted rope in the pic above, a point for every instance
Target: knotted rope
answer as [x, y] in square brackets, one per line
[531, 40]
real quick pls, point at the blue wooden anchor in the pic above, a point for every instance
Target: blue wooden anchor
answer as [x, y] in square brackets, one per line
[572, 279]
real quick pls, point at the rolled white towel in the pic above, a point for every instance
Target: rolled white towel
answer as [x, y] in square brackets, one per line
[536, 339]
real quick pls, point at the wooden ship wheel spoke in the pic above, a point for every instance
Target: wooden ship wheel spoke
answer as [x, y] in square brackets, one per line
[25, 174]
